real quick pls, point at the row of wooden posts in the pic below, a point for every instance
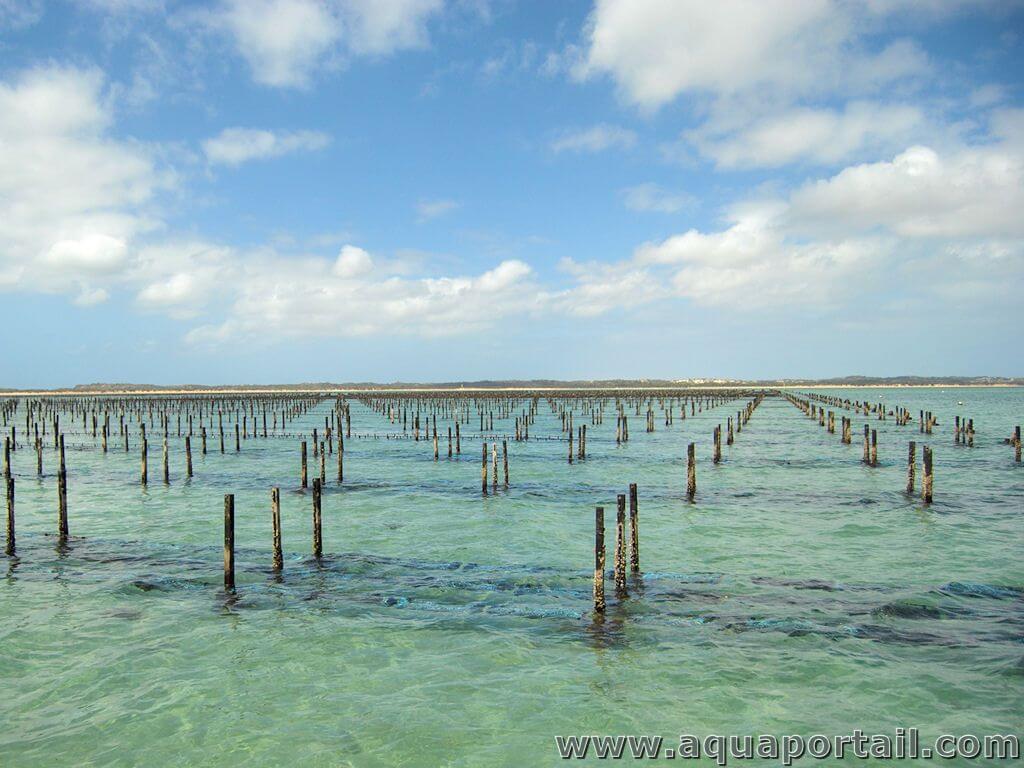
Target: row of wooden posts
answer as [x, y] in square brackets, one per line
[870, 454]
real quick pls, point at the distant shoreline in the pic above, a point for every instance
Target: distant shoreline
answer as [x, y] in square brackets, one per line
[391, 389]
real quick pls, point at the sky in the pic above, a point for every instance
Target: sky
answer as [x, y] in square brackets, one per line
[264, 191]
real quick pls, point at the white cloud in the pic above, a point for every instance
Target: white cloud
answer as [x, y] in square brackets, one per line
[234, 146]
[282, 298]
[973, 192]
[651, 197]
[353, 262]
[823, 136]
[72, 198]
[658, 49]
[431, 209]
[286, 41]
[595, 139]
[927, 223]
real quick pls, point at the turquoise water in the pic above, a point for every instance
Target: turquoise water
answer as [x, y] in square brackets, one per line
[802, 592]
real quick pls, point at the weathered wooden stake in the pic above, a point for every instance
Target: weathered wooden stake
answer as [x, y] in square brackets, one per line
[275, 517]
[188, 456]
[634, 530]
[10, 516]
[305, 475]
[927, 480]
[504, 459]
[911, 465]
[691, 471]
[483, 470]
[317, 521]
[167, 466]
[144, 448]
[620, 547]
[229, 542]
[599, 604]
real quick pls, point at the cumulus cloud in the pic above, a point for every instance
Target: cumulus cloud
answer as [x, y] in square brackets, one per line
[595, 139]
[934, 220]
[286, 41]
[279, 298]
[353, 262]
[71, 197]
[234, 146]
[657, 49]
[817, 135]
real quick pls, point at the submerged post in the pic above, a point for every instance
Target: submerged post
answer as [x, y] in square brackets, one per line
[504, 459]
[275, 517]
[62, 496]
[10, 516]
[483, 471]
[634, 530]
[620, 547]
[599, 560]
[911, 465]
[927, 480]
[188, 456]
[691, 471]
[317, 521]
[305, 475]
[229, 542]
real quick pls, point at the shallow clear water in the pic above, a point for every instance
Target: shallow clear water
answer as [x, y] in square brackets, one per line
[803, 592]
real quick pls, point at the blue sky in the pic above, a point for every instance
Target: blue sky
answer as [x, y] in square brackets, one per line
[419, 190]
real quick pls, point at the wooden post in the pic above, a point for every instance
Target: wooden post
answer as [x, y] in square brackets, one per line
[204, 440]
[458, 439]
[494, 466]
[483, 469]
[599, 604]
[167, 466]
[10, 516]
[323, 464]
[341, 461]
[620, 547]
[718, 444]
[874, 448]
[275, 518]
[317, 521]
[229, 542]
[504, 459]
[305, 475]
[927, 480]
[188, 456]
[1016, 444]
[867, 445]
[634, 530]
[911, 465]
[691, 471]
